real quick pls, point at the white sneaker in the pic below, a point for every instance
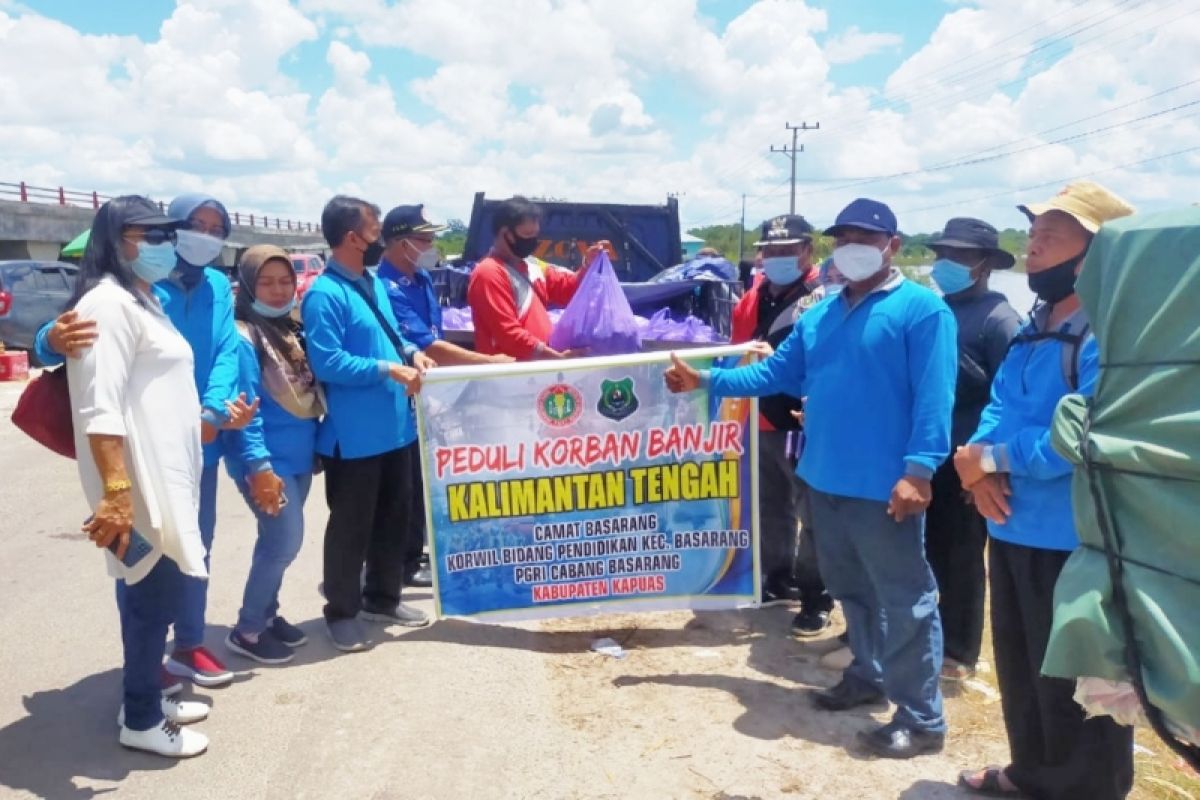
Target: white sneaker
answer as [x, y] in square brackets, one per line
[168, 739]
[180, 712]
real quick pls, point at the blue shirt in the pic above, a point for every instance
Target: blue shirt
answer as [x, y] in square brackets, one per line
[275, 439]
[879, 377]
[367, 413]
[204, 317]
[414, 302]
[1025, 393]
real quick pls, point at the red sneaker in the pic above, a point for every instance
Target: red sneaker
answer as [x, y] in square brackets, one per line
[201, 666]
[171, 685]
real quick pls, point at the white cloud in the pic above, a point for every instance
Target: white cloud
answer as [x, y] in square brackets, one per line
[854, 45]
[582, 98]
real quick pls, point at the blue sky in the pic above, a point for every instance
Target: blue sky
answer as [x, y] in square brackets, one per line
[345, 95]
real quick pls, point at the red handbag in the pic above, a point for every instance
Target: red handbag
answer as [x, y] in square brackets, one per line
[44, 412]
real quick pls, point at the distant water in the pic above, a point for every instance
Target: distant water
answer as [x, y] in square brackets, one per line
[1013, 285]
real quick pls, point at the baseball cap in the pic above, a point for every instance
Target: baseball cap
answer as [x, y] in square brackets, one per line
[142, 211]
[405, 220]
[866, 214]
[1089, 203]
[785, 229]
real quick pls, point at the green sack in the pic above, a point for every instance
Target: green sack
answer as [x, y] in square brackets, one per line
[1140, 286]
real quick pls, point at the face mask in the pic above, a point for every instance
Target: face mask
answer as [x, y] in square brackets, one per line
[951, 276]
[1057, 283]
[373, 253]
[523, 246]
[425, 259]
[154, 262]
[198, 249]
[857, 262]
[833, 289]
[271, 312]
[782, 270]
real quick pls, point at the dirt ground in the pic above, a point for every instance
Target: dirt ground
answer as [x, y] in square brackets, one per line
[715, 705]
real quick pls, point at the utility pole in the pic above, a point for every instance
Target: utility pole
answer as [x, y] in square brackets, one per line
[792, 151]
[742, 230]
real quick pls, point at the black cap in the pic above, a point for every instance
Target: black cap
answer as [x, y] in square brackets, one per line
[968, 233]
[785, 229]
[406, 220]
[142, 211]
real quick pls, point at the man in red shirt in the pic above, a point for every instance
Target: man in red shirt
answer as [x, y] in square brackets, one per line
[509, 290]
[787, 286]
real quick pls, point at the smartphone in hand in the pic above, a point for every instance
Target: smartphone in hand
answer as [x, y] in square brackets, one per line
[139, 547]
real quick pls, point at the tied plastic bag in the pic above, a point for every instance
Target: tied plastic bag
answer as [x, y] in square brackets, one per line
[598, 317]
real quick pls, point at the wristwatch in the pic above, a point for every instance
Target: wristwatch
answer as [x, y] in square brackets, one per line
[987, 459]
[115, 487]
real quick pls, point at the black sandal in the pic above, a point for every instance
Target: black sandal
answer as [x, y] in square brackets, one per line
[990, 786]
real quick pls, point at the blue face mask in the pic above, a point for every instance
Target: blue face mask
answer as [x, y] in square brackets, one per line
[951, 276]
[782, 270]
[833, 289]
[154, 262]
[271, 312]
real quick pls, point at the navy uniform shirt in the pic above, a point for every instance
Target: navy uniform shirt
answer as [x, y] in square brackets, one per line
[414, 303]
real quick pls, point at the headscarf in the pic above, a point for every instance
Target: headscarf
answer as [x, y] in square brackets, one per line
[182, 207]
[279, 343]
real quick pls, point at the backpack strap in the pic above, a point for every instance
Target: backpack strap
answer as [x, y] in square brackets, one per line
[1073, 345]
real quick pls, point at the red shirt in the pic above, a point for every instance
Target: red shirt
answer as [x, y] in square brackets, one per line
[745, 321]
[508, 304]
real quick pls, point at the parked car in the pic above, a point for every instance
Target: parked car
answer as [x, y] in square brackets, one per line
[308, 266]
[32, 293]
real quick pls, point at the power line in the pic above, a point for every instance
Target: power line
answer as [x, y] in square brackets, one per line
[997, 156]
[1055, 182]
[960, 80]
[971, 92]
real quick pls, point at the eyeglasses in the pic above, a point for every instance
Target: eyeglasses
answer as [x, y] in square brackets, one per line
[199, 227]
[152, 236]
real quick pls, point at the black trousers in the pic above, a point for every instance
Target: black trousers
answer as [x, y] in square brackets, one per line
[1057, 754]
[955, 536]
[788, 553]
[414, 533]
[369, 504]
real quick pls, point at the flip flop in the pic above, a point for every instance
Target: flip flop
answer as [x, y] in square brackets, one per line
[990, 785]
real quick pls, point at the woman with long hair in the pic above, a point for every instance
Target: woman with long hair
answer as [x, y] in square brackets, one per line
[272, 459]
[136, 415]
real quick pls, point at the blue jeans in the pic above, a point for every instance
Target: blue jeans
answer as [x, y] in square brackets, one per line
[189, 624]
[279, 540]
[876, 568]
[147, 609]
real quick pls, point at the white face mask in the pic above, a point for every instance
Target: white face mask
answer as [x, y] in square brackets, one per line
[424, 259]
[857, 262]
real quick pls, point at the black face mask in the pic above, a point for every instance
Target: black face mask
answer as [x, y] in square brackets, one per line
[373, 253]
[1057, 283]
[522, 246]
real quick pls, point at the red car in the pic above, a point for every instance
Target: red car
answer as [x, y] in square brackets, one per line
[308, 266]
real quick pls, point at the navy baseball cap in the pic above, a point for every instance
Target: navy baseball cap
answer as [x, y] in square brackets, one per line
[406, 220]
[867, 215]
[784, 229]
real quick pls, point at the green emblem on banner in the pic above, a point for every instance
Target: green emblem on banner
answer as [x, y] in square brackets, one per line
[617, 400]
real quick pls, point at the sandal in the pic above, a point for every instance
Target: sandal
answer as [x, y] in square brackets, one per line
[990, 785]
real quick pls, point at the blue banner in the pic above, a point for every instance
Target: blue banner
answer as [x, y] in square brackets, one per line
[570, 488]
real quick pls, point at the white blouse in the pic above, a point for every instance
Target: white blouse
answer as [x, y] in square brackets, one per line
[137, 382]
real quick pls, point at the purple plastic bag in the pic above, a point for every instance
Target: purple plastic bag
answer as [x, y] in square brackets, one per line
[598, 317]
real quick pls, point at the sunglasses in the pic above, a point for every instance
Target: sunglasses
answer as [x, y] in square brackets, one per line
[152, 236]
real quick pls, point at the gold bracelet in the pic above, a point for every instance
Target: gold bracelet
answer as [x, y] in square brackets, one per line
[114, 487]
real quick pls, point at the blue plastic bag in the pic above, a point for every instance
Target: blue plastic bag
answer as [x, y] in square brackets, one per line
[598, 317]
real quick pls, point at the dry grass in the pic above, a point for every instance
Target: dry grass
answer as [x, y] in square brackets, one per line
[1159, 773]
